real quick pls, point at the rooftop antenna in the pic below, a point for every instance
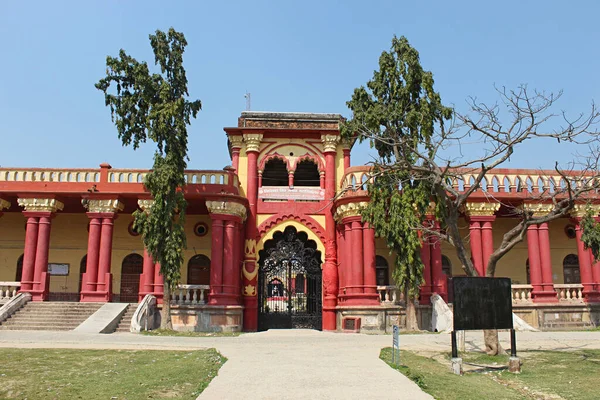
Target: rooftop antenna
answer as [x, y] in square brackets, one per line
[248, 101]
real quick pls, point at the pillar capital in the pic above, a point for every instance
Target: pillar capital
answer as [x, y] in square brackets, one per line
[227, 208]
[538, 209]
[579, 210]
[145, 204]
[349, 210]
[236, 141]
[4, 205]
[103, 206]
[252, 141]
[330, 143]
[40, 205]
[481, 209]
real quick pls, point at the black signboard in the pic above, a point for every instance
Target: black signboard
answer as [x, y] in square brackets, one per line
[482, 303]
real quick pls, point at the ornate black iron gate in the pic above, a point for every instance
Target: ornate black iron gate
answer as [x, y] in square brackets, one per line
[289, 282]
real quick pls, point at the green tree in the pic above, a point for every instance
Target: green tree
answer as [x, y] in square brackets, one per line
[155, 106]
[420, 151]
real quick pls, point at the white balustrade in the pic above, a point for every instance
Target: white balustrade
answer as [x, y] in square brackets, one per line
[569, 293]
[185, 295]
[388, 295]
[49, 175]
[521, 294]
[8, 290]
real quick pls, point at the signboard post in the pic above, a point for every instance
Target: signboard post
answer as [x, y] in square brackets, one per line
[395, 345]
[480, 304]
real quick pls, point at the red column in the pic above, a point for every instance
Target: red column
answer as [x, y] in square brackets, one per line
[330, 268]
[41, 278]
[487, 239]
[346, 159]
[235, 158]
[291, 179]
[585, 267]
[476, 247]
[549, 294]
[216, 260]
[438, 277]
[237, 242]
[93, 253]
[369, 274]
[159, 283]
[426, 287]
[322, 180]
[147, 277]
[250, 295]
[104, 260]
[348, 265]
[356, 277]
[229, 292]
[31, 237]
[341, 260]
[535, 267]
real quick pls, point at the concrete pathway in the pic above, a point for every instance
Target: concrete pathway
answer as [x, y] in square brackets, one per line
[300, 364]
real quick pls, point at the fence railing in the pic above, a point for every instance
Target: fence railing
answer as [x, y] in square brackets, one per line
[521, 294]
[185, 295]
[389, 295]
[569, 293]
[8, 290]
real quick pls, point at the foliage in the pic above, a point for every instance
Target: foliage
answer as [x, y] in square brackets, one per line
[590, 235]
[154, 106]
[106, 374]
[399, 105]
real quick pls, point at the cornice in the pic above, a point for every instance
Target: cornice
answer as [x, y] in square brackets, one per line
[349, 210]
[41, 205]
[145, 204]
[579, 210]
[4, 205]
[236, 141]
[538, 209]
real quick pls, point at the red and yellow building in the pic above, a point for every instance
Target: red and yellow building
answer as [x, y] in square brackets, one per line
[258, 230]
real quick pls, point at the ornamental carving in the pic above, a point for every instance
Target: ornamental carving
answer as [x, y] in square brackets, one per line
[45, 205]
[4, 205]
[252, 141]
[236, 141]
[103, 206]
[579, 210]
[250, 249]
[538, 209]
[250, 276]
[481, 209]
[249, 290]
[330, 142]
[145, 204]
[349, 210]
[227, 208]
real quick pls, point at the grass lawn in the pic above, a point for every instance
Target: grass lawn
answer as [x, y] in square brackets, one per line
[545, 375]
[167, 332]
[106, 374]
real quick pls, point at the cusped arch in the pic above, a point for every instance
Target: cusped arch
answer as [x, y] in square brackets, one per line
[274, 156]
[301, 222]
[310, 157]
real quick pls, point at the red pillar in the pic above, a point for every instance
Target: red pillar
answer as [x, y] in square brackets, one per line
[216, 260]
[346, 159]
[229, 292]
[104, 261]
[438, 277]
[291, 179]
[159, 283]
[369, 273]
[40, 275]
[476, 247]
[348, 264]
[235, 158]
[585, 267]
[330, 267]
[250, 286]
[487, 239]
[90, 277]
[341, 249]
[426, 287]
[549, 294]
[356, 277]
[31, 237]
[237, 253]
[147, 277]
[535, 267]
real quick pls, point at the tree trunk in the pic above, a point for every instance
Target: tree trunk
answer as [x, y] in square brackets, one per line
[165, 316]
[411, 313]
[492, 344]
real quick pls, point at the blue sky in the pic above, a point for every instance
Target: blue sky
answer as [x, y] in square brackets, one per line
[291, 56]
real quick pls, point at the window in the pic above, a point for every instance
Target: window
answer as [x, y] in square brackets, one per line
[82, 269]
[528, 272]
[198, 270]
[446, 266]
[19, 274]
[307, 174]
[382, 271]
[571, 269]
[275, 173]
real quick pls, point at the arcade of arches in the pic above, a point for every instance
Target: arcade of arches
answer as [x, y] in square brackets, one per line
[275, 239]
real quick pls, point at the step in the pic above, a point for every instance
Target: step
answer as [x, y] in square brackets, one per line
[33, 328]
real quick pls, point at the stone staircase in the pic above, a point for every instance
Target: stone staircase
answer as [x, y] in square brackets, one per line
[125, 323]
[50, 316]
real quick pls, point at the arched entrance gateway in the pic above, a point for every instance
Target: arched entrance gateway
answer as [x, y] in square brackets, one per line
[289, 282]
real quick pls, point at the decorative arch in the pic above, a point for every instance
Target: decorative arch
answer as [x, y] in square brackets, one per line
[274, 156]
[131, 269]
[303, 223]
[198, 272]
[571, 273]
[310, 157]
[19, 271]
